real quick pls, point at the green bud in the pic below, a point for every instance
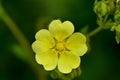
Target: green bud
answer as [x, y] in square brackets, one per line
[117, 16]
[54, 75]
[100, 8]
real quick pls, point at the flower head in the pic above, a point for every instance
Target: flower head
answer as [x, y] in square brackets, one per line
[59, 47]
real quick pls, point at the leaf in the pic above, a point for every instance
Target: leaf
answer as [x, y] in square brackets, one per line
[117, 37]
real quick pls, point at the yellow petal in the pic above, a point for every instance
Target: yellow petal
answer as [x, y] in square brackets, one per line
[45, 37]
[61, 30]
[48, 60]
[68, 61]
[44, 41]
[36, 46]
[40, 46]
[77, 44]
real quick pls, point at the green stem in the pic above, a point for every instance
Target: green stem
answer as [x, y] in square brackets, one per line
[95, 31]
[98, 29]
[105, 18]
[23, 41]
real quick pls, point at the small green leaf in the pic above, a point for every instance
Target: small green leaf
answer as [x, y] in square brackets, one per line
[117, 37]
[117, 40]
[117, 30]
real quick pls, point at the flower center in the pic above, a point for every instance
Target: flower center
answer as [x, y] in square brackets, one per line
[60, 46]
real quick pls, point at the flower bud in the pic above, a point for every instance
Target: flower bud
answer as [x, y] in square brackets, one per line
[100, 8]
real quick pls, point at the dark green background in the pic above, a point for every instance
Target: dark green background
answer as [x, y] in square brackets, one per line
[102, 62]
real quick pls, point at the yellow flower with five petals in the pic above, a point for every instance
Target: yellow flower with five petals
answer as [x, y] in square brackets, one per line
[59, 47]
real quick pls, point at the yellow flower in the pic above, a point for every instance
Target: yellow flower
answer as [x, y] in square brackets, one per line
[59, 47]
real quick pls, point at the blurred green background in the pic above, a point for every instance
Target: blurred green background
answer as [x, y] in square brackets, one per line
[102, 62]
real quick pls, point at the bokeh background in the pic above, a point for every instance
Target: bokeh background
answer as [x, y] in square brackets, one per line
[102, 62]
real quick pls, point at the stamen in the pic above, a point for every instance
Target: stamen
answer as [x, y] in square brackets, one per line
[60, 46]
